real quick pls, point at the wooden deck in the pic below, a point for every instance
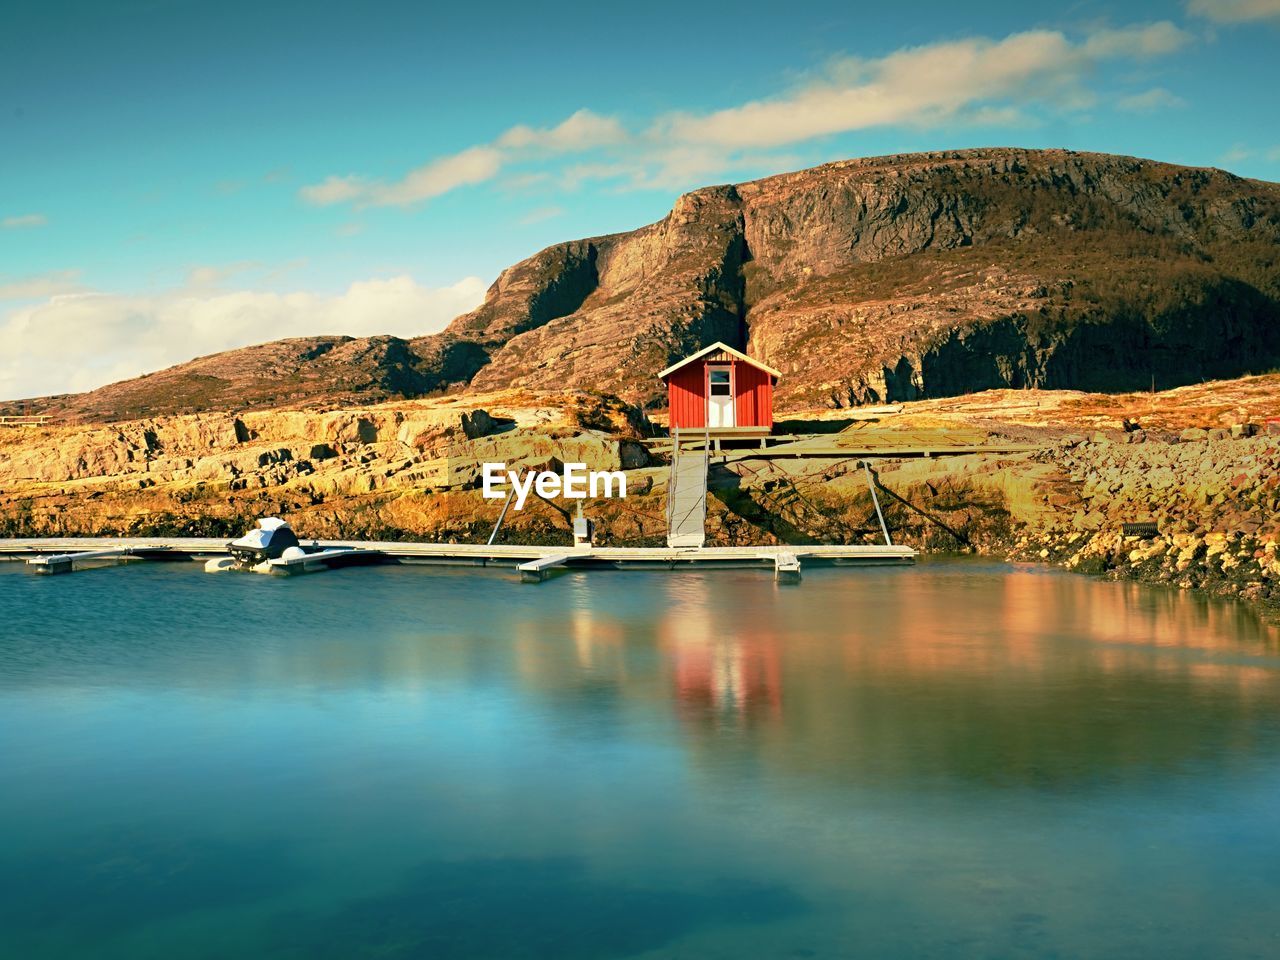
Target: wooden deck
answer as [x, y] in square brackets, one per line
[857, 440]
[62, 553]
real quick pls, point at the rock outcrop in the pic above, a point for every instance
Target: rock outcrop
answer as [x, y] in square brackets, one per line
[1212, 498]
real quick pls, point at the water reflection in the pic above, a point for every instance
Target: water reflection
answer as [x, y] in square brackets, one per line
[1022, 679]
[969, 672]
[724, 672]
[956, 760]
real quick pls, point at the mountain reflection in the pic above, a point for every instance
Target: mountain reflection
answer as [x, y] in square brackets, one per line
[986, 675]
[955, 672]
[952, 760]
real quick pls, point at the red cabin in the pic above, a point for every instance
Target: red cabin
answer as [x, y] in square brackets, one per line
[721, 391]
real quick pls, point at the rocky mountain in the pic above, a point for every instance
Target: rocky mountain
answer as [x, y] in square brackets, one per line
[866, 280]
[301, 371]
[901, 277]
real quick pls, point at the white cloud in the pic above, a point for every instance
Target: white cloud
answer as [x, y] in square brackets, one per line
[206, 278]
[1234, 11]
[1149, 101]
[583, 130]
[575, 175]
[473, 165]
[676, 167]
[580, 131]
[73, 342]
[972, 82]
[24, 220]
[470, 166]
[926, 85]
[334, 190]
[527, 180]
[1240, 152]
[1142, 41]
[998, 117]
[541, 214]
[1237, 154]
[40, 286]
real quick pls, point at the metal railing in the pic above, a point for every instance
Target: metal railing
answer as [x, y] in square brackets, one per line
[671, 479]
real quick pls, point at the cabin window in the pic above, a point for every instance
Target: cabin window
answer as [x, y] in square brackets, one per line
[720, 383]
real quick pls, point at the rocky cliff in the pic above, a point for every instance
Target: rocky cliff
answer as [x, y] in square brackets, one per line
[869, 280]
[904, 277]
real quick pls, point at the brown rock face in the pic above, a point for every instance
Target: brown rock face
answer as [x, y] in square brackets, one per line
[872, 280]
[618, 308]
[903, 277]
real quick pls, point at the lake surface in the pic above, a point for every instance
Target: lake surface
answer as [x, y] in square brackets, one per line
[962, 759]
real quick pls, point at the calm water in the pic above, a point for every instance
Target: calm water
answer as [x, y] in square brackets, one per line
[956, 760]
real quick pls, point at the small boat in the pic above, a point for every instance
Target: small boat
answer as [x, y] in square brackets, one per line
[271, 539]
[267, 541]
[272, 547]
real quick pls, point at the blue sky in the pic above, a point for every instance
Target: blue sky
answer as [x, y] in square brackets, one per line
[178, 178]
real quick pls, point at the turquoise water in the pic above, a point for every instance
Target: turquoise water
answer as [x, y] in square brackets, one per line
[957, 760]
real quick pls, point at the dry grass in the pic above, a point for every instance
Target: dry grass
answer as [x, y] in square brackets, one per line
[1215, 403]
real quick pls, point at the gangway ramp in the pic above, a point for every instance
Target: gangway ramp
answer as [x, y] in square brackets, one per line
[687, 498]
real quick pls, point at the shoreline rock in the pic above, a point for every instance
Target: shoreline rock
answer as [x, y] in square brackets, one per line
[1210, 497]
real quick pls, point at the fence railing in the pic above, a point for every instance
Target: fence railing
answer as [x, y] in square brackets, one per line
[31, 420]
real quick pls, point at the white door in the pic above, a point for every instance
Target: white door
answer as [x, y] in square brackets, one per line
[719, 397]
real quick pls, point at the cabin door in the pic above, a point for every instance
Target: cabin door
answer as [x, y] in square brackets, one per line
[719, 396]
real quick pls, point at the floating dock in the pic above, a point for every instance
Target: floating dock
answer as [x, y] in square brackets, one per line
[532, 563]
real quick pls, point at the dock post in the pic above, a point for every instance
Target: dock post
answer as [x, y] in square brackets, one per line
[65, 562]
[53, 565]
[786, 567]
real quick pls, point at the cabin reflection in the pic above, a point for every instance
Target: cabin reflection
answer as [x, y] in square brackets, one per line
[724, 671]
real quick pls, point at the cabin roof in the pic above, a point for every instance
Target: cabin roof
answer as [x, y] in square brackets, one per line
[718, 346]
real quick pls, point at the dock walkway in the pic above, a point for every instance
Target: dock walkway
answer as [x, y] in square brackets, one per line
[687, 499]
[539, 559]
